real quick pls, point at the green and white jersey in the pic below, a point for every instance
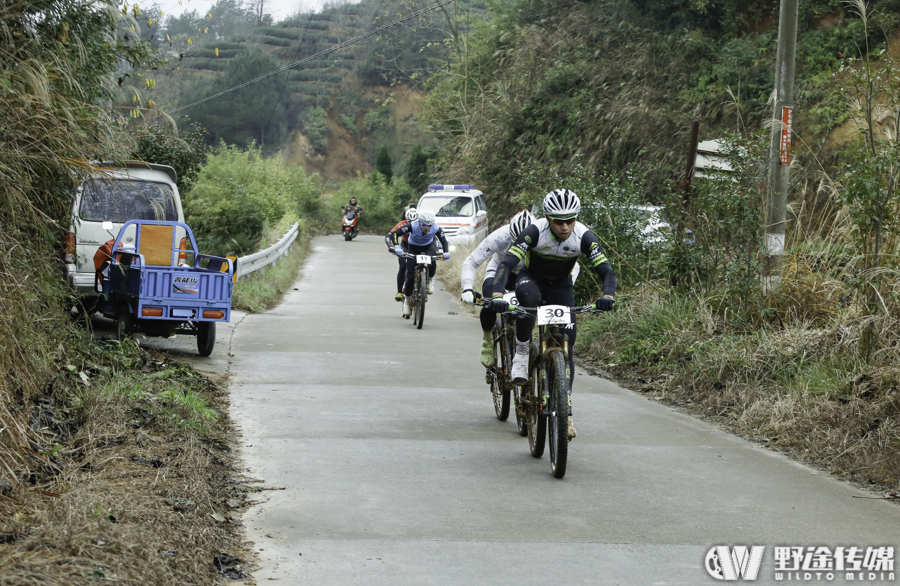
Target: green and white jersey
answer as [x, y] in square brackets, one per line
[551, 260]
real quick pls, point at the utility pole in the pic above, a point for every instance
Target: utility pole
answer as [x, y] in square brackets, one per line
[780, 150]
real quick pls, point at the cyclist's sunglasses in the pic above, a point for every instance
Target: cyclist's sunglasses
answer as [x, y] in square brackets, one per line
[568, 220]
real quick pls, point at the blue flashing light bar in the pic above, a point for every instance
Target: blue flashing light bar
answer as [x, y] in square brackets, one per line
[450, 187]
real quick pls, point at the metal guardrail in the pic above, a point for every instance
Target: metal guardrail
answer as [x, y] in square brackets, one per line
[260, 260]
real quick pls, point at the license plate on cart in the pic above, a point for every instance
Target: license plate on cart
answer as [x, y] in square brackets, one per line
[184, 313]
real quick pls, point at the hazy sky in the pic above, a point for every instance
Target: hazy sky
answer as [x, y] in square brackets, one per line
[279, 9]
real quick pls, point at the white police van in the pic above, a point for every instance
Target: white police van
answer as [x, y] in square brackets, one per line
[460, 210]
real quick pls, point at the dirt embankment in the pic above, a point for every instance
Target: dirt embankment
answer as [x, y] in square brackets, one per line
[350, 153]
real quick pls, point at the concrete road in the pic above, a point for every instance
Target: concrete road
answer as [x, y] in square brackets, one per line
[396, 472]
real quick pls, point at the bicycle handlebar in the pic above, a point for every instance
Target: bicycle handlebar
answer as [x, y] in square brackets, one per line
[484, 301]
[433, 257]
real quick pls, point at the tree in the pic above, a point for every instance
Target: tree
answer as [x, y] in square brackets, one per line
[384, 165]
[185, 151]
[255, 113]
[417, 169]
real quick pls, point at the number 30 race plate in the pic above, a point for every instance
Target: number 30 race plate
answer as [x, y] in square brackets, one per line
[553, 314]
[423, 259]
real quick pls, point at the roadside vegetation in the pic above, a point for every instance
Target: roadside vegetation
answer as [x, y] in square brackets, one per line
[264, 290]
[113, 462]
[809, 366]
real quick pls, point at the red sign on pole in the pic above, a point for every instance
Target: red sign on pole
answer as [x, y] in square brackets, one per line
[787, 118]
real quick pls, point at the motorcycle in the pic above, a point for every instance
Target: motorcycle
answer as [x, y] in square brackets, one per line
[350, 227]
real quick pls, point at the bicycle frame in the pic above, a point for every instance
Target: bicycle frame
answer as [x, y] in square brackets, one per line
[420, 295]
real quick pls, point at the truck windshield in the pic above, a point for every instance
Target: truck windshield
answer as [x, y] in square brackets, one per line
[449, 205]
[105, 200]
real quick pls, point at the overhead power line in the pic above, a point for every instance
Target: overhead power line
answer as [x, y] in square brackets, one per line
[337, 47]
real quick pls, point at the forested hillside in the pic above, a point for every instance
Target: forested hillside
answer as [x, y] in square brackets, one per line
[331, 114]
[610, 83]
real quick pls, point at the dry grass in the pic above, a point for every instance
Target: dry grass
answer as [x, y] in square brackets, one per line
[449, 272]
[800, 385]
[125, 475]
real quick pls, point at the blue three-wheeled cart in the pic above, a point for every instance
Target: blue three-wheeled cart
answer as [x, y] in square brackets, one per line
[159, 284]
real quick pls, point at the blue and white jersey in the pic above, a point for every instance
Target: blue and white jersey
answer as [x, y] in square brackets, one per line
[419, 238]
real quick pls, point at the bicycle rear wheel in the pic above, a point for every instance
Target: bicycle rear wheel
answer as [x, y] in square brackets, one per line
[422, 295]
[500, 386]
[558, 419]
[521, 422]
[537, 421]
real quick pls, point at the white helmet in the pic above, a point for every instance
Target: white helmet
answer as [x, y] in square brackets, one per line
[411, 215]
[519, 222]
[562, 204]
[426, 218]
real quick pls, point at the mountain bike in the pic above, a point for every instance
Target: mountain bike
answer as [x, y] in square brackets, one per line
[420, 287]
[497, 375]
[546, 400]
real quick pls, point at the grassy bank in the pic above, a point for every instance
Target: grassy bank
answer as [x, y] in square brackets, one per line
[127, 477]
[798, 387]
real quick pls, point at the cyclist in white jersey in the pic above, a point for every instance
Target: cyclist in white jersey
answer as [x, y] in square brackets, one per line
[550, 248]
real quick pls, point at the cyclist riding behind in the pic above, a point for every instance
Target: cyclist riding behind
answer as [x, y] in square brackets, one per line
[422, 234]
[410, 216]
[410, 206]
[550, 248]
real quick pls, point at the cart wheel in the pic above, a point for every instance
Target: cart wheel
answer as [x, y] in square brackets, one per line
[124, 324]
[206, 337]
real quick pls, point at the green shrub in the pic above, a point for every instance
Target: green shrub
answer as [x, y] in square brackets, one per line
[209, 64]
[350, 123]
[314, 124]
[238, 193]
[609, 208]
[275, 41]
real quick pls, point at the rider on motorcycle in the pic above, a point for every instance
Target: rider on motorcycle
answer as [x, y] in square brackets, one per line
[422, 234]
[352, 206]
[550, 248]
[411, 216]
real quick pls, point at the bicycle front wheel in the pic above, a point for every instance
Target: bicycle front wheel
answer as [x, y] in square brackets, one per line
[558, 418]
[537, 421]
[500, 388]
[422, 295]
